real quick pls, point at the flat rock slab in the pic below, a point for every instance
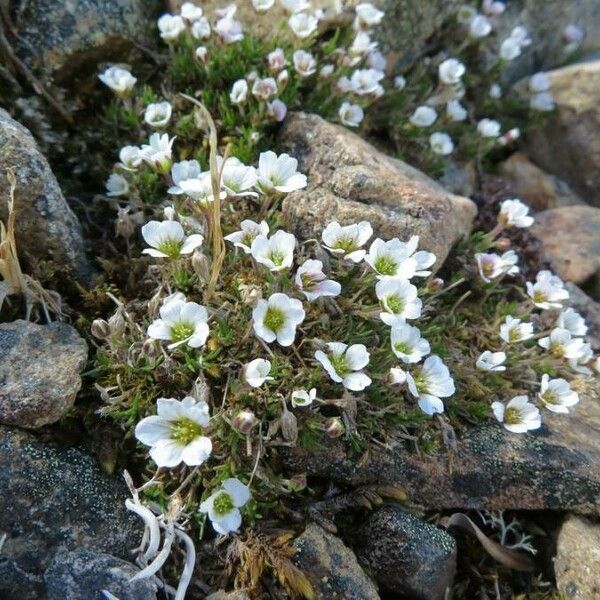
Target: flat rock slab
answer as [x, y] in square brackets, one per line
[53, 496]
[39, 372]
[555, 468]
[351, 181]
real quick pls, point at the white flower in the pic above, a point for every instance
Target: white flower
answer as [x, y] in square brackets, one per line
[168, 240]
[347, 241]
[491, 361]
[239, 92]
[492, 266]
[495, 91]
[451, 71]
[344, 364]
[118, 80]
[197, 188]
[279, 173]
[184, 171]
[303, 398]
[493, 7]
[513, 213]
[362, 44]
[351, 115]
[519, 415]
[276, 60]
[539, 82]
[171, 27]
[557, 395]
[130, 158]
[276, 252]
[585, 356]
[223, 506]
[201, 29]
[116, 185]
[394, 258]
[479, 26]
[236, 177]
[367, 15]
[513, 330]
[158, 114]
[229, 30]
[456, 111]
[407, 343]
[175, 433]
[256, 372]
[326, 71]
[521, 36]
[313, 283]
[304, 63]
[399, 300]
[573, 35]
[429, 383]
[571, 320]
[424, 116]
[262, 5]
[276, 110]
[294, 6]
[441, 143]
[488, 128]
[363, 82]
[397, 376]
[303, 25]
[544, 102]
[510, 49]
[399, 82]
[548, 291]
[180, 323]
[249, 232]
[158, 152]
[277, 319]
[561, 344]
[264, 89]
[190, 12]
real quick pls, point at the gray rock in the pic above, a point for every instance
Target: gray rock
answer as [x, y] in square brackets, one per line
[39, 371]
[568, 142]
[62, 39]
[46, 228]
[406, 555]
[331, 566]
[84, 573]
[577, 562]
[556, 467]
[53, 496]
[350, 181]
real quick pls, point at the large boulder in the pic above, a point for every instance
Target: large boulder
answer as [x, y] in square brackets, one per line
[61, 39]
[556, 467]
[84, 573]
[568, 144]
[39, 371]
[570, 241]
[351, 181]
[331, 566]
[577, 562]
[406, 555]
[46, 228]
[53, 496]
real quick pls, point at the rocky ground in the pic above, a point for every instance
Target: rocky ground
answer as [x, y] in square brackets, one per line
[64, 530]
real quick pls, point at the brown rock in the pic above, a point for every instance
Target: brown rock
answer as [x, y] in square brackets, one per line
[556, 467]
[570, 241]
[350, 181]
[534, 186]
[331, 566]
[569, 144]
[39, 372]
[577, 562]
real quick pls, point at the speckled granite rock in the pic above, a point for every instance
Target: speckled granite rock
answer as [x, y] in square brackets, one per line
[46, 228]
[555, 467]
[577, 562]
[53, 496]
[61, 39]
[406, 555]
[84, 574]
[39, 372]
[350, 181]
[331, 566]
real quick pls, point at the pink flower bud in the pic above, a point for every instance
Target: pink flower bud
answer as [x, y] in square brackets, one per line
[334, 427]
[244, 421]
